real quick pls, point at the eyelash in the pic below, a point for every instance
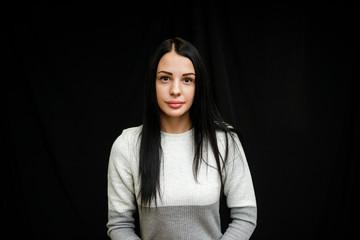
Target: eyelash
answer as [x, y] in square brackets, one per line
[186, 80]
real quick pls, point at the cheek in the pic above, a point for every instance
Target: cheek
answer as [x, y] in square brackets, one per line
[161, 93]
[191, 94]
[158, 91]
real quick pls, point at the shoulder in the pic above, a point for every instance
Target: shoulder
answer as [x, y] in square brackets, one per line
[226, 132]
[124, 149]
[132, 132]
[228, 139]
[129, 137]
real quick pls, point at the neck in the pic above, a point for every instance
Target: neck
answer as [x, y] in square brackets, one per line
[175, 124]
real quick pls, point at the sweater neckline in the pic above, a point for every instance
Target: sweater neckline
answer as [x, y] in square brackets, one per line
[178, 135]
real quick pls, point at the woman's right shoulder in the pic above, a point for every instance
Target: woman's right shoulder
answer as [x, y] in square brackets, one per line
[132, 131]
[127, 142]
[128, 136]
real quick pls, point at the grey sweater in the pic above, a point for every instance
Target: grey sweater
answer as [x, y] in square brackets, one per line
[186, 208]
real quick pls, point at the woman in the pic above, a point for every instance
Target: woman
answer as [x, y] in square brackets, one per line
[175, 166]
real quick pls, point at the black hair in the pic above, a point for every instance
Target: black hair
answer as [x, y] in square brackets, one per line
[205, 118]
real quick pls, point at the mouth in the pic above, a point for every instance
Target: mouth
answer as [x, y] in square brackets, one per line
[175, 104]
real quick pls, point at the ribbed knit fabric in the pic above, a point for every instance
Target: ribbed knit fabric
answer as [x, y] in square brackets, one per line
[186, 208]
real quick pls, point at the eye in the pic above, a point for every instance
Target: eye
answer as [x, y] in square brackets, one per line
[188, 80]
[164, 78]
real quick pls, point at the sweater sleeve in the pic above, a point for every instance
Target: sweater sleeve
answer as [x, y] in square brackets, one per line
[238, 185]
[240, 194]
[243, 224]
[121, 196]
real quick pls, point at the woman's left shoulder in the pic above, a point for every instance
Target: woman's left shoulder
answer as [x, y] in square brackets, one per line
[227, 133]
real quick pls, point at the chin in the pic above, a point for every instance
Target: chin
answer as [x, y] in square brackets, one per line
[174, 113]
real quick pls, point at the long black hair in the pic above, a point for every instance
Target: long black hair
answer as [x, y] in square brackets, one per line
[205, 118]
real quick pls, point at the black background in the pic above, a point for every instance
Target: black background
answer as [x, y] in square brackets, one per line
[285, 76]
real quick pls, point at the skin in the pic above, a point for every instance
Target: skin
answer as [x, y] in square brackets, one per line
[175, 81]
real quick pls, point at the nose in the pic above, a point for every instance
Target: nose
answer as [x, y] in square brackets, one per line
[175, 88]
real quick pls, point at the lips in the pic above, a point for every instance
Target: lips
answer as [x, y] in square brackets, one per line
[175, 104]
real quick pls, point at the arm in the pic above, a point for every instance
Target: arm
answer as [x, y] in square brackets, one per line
[243, 223]
[121, 197]
[240, 195]
[121, 225]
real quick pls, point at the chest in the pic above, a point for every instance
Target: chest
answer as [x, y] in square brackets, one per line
[178, 184]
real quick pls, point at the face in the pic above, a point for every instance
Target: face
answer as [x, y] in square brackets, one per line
[175, 86]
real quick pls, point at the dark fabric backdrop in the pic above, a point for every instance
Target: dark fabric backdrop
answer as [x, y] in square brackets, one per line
[284, 76]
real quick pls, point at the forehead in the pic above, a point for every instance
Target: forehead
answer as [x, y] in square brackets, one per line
[175, 63]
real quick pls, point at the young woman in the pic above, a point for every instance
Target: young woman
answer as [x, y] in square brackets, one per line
[174, 168]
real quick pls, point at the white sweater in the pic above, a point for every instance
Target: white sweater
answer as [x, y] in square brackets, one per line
[186, 208]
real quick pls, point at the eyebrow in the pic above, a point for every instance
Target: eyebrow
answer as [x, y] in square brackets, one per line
[169, 73]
